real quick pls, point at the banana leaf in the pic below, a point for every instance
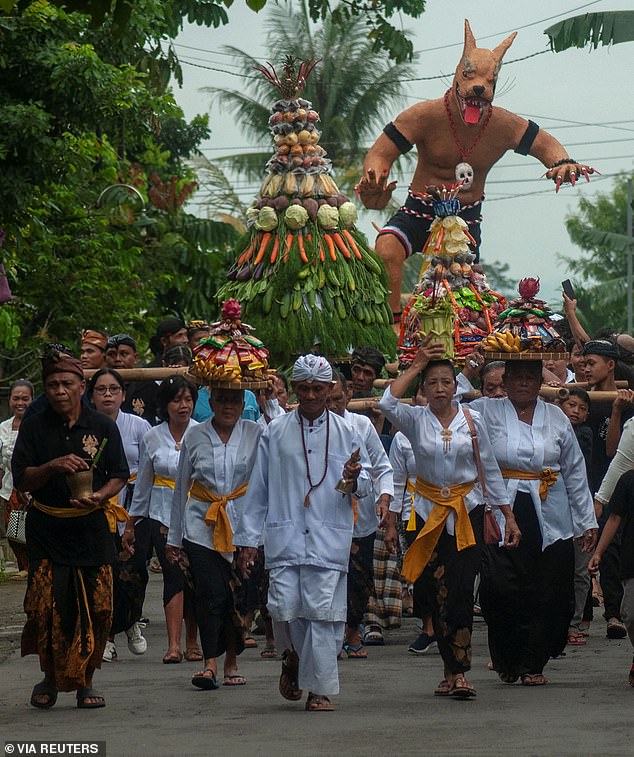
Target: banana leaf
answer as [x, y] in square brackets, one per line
[608, 28]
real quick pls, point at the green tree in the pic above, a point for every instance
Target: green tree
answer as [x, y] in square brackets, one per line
[351, 94]
[119, 15]
[598, 228]
[72, 124]
[592, 29]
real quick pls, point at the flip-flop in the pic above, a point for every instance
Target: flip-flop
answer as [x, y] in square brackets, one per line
[44, 688]
[88, 693]
[288, 685]
[234, 679]
[461, 689]
[316, 703]
[533, 679]
[202, 681]
[355, 653]
[172, 658]
[576, 639]
[193, 654]
[269, 653]
[250, 643]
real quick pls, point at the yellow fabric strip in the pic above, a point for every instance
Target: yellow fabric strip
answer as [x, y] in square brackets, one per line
[113, 510]
[446, 500]
[216, 515]
[411, 523]
[547, 478]
[164, 481]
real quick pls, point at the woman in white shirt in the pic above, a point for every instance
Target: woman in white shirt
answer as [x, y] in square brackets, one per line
[152, 506]
[448, 501]
[213, 475]
[20, 397]
[527, 595]
[106, 391]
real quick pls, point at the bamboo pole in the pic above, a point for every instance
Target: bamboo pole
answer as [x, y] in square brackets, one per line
[145, 374]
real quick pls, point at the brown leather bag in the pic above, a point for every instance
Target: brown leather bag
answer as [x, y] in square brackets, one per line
[492, 532]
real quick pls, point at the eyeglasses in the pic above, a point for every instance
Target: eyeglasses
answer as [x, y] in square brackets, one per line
[103, 390]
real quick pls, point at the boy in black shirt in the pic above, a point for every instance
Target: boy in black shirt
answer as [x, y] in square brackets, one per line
[621, 515]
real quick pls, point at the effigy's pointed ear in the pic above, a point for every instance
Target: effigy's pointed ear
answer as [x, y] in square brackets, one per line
[469, 39]
[501, 49]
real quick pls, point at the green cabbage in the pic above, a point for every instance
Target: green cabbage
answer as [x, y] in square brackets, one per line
[296, 217]
[328, 217]
[348, 214]
[267, 219]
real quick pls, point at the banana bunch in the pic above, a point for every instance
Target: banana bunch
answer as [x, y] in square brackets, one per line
[506, 342]
[206, 370]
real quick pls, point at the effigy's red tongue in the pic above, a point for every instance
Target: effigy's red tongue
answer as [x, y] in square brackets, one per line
[471, 114]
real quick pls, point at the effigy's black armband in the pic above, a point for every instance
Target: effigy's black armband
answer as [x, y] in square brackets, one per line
[526, 142]
[402, 143]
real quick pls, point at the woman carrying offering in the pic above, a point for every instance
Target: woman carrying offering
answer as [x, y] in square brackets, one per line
[448, 501]
[152, 506]
[213, 475]
[527, 595]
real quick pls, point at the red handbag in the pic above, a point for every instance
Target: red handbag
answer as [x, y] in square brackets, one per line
[492, 532]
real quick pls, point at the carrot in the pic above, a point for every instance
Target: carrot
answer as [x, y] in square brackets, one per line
[341, 245]
[266, 237]
[471, 239]
[441, 235]
[276, 247]
[287, 246]
[309, 237]
[331, 247]
[322, 257]
[246, 255]
[351, 243]
[302, 251]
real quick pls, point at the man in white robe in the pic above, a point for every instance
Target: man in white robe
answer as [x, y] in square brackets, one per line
[306, 525]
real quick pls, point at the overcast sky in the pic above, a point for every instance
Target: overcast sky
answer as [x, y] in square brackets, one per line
[583, 98]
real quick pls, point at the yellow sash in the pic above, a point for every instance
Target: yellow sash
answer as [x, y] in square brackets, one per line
[546, 478]
[445, 500]
[113, 510]
[163, 481]
[411, 523]
[216, 515]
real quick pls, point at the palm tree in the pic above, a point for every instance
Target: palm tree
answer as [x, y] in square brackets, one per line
[354, 88]
[610, 27]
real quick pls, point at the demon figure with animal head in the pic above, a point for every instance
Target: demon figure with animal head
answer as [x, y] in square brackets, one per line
[459, 137]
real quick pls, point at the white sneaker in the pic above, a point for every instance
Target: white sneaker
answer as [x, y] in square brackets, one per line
[109, 652]
[136, 641]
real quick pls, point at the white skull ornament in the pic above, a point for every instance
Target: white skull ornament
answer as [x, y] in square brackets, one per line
[464, 173]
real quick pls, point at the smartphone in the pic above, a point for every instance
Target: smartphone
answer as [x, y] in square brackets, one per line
[569, 290]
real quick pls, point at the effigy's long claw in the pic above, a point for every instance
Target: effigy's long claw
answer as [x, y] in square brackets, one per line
[557, 184]
[584, 171]
[573, 178]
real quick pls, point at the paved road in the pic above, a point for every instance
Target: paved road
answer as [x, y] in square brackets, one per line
[386, 706]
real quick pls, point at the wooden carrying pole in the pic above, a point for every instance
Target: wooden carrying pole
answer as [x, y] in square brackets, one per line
[144, 374]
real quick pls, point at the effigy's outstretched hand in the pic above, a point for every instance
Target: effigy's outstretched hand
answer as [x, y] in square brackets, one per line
[568, 171]
[375, 193]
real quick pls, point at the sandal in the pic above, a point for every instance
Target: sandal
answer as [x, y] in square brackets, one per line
[289, 686]
[355, 653]
[443, 689]
[206, 682]
[192, 654]
[269, 653]
[172, 658]
[317, 703]
[576, 639]
[461, 688]
[88, 693]
[234, 679]
[533, 679]
[250, 643]
[373, 636]
[44, 689]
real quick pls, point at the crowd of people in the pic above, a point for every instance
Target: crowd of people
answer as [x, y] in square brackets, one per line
[320, 511]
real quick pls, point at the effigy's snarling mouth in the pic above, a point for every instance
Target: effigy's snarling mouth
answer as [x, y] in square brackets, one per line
[472, 108]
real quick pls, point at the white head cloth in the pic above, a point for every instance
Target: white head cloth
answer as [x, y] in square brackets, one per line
[312, 368]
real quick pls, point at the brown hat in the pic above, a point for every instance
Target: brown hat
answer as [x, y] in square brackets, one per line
[97, 338]
[55, 361]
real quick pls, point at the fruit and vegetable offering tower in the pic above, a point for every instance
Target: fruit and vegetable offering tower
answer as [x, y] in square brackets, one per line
[452, 299]
[303, 272]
